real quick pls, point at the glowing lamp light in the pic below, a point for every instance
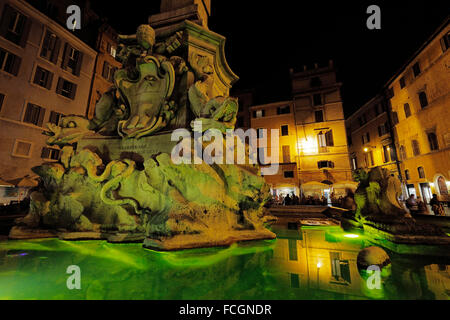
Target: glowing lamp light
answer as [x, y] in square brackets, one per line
[351, 236]
[319, 265]
[366, 149]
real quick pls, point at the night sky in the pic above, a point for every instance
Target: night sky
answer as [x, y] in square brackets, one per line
[266, 38]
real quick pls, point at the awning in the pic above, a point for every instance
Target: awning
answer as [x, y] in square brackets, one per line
[345, 184]
[315, 185]
[3, 183]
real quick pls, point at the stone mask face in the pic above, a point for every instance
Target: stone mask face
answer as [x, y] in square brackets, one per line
[145, 96]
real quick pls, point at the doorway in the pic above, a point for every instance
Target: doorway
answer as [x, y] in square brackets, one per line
[426, 192]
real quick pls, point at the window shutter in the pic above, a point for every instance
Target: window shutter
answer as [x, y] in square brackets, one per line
[41, 116]
[79, 63]
[74, 91]
[65, 56]
[59, 86]
[16, 65]
[329, 138]
[25, 33]
[6, 19]
[55, 52]
[49, 81]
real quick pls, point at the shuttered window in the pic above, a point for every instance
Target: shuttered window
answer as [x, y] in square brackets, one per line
[34, 114]
[72, 59]
[9, 62]
[51, 47]
[14, 26]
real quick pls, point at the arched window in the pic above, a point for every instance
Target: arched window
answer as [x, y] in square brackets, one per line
[442, 185]
[421, 172]
[432, 139]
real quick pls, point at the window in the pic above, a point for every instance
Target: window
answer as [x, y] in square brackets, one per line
[317, 99]
[382, 130]
[329, 138]
[108, 72]
[340, 269]
[34, 114]
[445, 42]
[22, 149]
[416, 69]
[295, 281]
[284, 110]
[355, 163]
[325, 164]
[315, 82]
[318, 116]
[14, 26]
[259, 114]
[325, 139]
[111, 49]
[407, 176]
[72, 60]
[366, 138]
[43, 78]
[9, 62]
[50, 153]
[403, 153]
[415, 147]
[432, 140]
[421, 172]
[386, 154]
[55, 117]
[423, 99]
[289, 174]
[293, 255]
[66, 88]
[394, 118]
[349, 139]
[407, 109]
[2, 100]
[284, 130]
[402, 82]
[286, 154]
[50, 47]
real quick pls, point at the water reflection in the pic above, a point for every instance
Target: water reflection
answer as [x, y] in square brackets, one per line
[306, 263]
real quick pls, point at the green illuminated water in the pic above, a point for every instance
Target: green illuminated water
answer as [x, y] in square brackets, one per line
[310, 263]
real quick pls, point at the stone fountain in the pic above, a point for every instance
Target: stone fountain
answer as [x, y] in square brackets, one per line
[116, 179]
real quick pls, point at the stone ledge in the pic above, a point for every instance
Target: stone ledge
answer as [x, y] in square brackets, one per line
[201, 241]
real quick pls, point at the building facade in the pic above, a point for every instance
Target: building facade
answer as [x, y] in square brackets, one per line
[45, 72]
[278, 116]
[105, 66]
[370, 138]
[313, 142]
[420, 101]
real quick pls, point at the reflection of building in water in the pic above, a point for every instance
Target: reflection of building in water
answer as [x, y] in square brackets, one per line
[311, 259]
[438, 278]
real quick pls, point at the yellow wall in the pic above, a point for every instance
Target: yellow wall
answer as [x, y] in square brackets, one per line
[435, 81]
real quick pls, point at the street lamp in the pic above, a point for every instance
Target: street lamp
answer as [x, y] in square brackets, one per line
[366, 149]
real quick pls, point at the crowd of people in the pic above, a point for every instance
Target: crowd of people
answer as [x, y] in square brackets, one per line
[418, 206]
[347, 202]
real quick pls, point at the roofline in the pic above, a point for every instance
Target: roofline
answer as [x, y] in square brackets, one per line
[418, 52]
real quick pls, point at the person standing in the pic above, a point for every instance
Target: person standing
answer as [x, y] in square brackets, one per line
[437, 206]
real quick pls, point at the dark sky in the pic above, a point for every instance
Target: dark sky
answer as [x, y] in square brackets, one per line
[266, 38]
